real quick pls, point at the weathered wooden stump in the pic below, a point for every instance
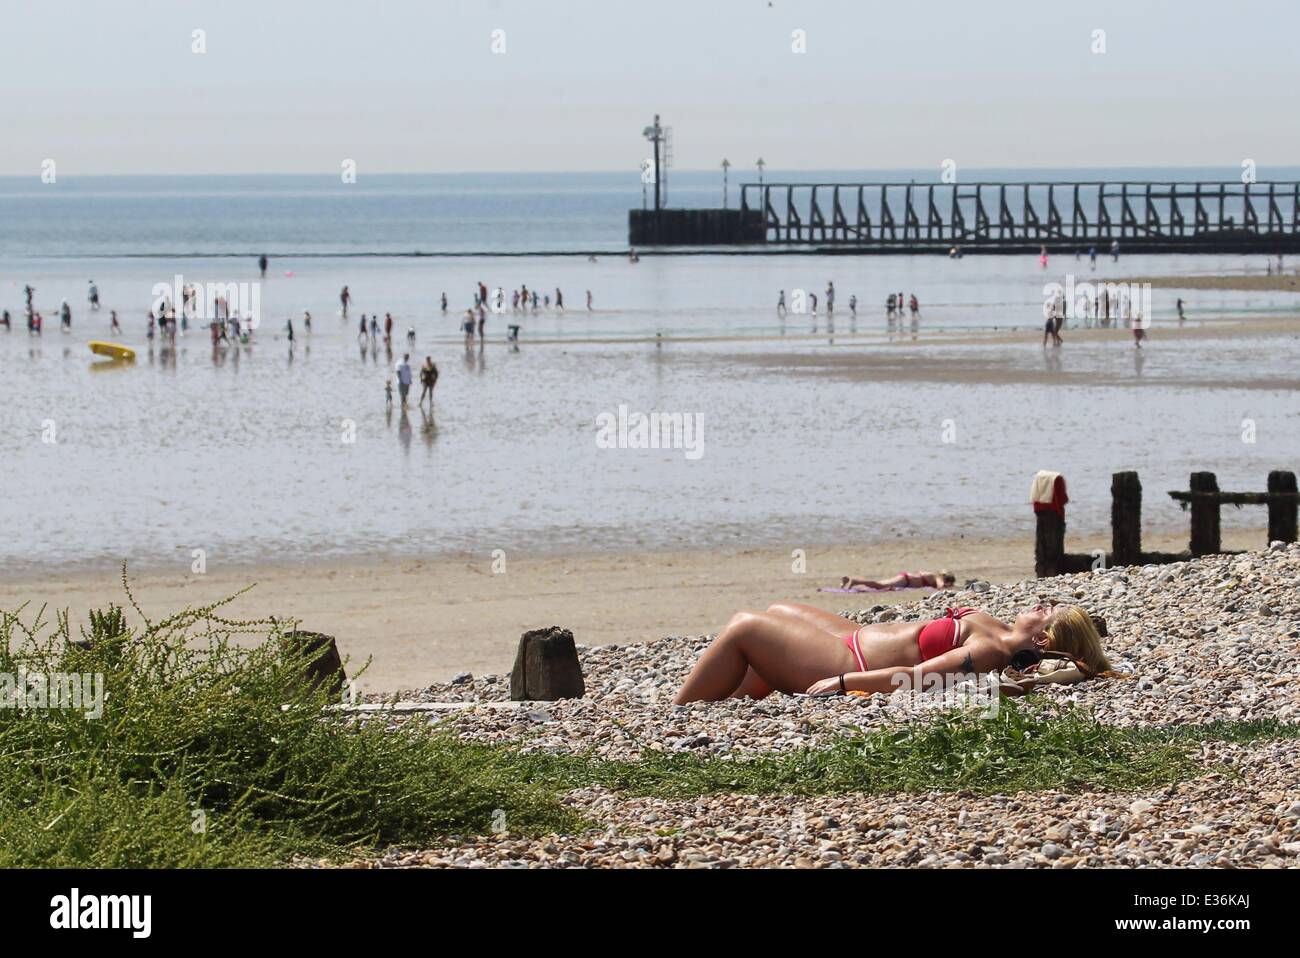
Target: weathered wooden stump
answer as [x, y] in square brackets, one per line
[546, 667]
[1049, 544]
[1206, 538]
[1282, 510]
[1126, 518]
[325, 668]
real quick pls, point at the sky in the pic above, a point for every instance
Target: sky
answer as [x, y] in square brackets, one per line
[551, 85]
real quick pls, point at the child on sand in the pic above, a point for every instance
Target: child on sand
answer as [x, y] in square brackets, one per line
[388, 394]
[904, 580]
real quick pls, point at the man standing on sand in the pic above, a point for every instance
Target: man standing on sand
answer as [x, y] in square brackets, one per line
[261, 264]
[345, 297]
[404, 378]
[589, 299]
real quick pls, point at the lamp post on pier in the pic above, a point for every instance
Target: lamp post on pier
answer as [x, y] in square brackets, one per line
[726, 165]
[655, 135]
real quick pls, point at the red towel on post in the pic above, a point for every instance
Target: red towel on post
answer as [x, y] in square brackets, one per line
[1058, 499]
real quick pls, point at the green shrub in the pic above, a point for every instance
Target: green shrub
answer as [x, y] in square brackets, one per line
[214, 753]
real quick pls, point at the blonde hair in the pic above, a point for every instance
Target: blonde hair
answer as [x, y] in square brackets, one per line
[1075, 634]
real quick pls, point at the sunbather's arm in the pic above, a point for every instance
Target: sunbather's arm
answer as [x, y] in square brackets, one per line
[974, 658]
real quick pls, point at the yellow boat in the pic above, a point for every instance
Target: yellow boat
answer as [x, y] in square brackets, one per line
[112, 350]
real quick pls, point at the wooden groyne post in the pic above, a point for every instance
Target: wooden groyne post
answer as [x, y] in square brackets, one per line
[1282, 506]
[1206, 499]
[1049, 544]
[1125, 519]
[547, 667]
[1203, 496]
[1207, 538]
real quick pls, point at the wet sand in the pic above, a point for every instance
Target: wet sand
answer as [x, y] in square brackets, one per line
[870, 329]
[1261, 282]
[422, 621]
[920, 362]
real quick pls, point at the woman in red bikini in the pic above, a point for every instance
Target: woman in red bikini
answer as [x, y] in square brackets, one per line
[904, 580]
[797, 648]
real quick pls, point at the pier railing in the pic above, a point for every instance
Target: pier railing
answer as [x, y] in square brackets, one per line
[1220, 216]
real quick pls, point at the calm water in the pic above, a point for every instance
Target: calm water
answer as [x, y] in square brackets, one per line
[394, 214]
[243, 453]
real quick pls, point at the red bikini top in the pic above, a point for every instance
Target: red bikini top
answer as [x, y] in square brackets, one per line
[941, 635]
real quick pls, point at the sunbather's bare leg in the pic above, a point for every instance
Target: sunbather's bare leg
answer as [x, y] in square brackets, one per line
[752, 686]
[854, 582]
[836, 625]
[894, 582]
[785, 653]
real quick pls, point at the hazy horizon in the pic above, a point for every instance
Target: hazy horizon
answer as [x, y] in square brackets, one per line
[1290, 172]
[568, 85]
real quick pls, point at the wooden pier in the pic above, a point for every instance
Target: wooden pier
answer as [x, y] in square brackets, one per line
[992, 217]
[1141, 216]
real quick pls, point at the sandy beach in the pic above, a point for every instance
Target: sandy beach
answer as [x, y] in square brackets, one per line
[1211, 638]
[423, 621]
[1259, 282]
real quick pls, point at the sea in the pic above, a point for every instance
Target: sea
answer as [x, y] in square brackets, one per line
[278, 451]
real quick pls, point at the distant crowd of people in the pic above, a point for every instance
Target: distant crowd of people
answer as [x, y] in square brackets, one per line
[895, 304]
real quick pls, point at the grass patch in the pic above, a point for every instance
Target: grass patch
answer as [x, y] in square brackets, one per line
[1028, 746]
[212, 754]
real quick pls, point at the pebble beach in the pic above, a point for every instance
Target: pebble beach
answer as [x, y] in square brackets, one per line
[1211, 638]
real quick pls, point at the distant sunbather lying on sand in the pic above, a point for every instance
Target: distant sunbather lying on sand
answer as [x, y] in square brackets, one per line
[797, 648]
[904, 580]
